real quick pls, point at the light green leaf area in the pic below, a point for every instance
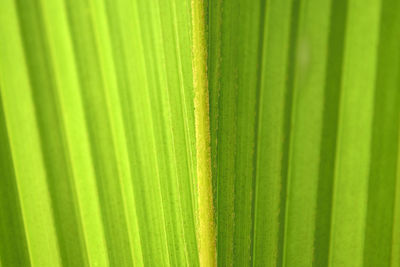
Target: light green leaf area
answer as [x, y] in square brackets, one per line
[199, 133]
[97, 125]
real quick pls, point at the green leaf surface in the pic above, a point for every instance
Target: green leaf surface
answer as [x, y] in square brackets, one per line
[199, 133]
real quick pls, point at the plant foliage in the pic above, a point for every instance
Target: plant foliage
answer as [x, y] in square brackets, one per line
[199, 133]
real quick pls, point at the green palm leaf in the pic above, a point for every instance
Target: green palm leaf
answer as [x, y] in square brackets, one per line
[195, 133]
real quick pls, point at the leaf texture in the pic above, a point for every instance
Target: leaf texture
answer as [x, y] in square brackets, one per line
[199, 133]
[304, 125]
[98, 107]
